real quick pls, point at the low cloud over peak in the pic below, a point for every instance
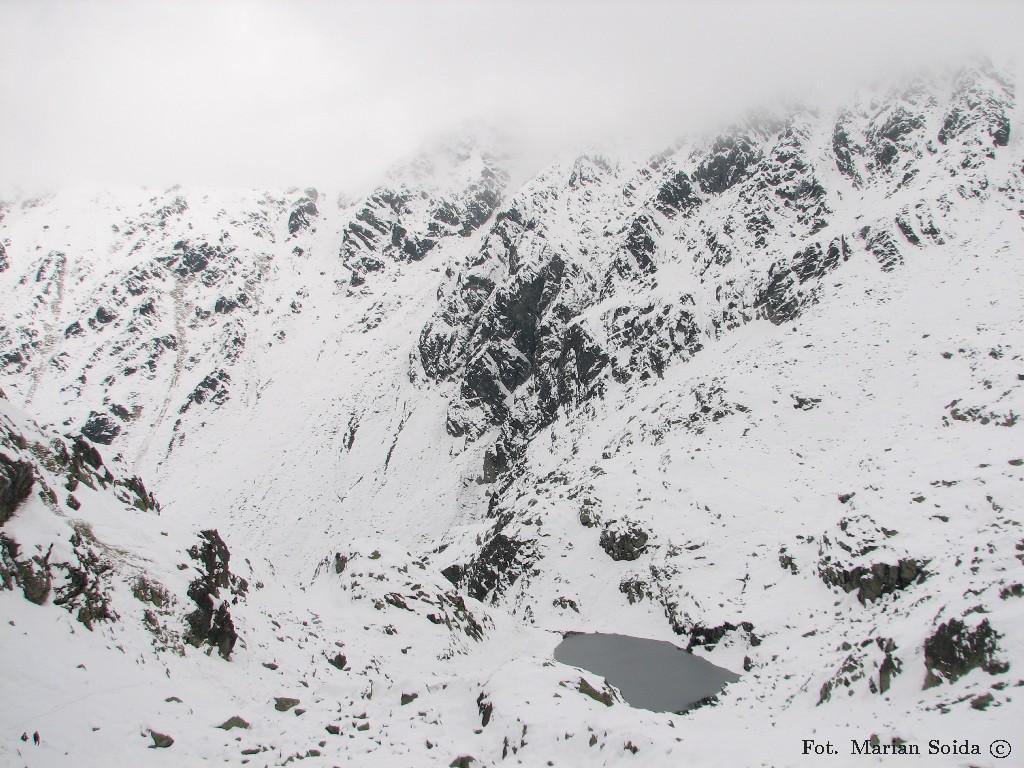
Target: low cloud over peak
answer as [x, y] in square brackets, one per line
[270, 94]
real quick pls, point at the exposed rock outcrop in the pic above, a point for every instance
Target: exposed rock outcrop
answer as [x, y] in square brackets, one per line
[100, 428]
[874, 581]
[955, 649]
[32, 575]
[16, 481]
[623, 540]
[499, 564]
[160, 740]
[211, 624]
[304, 212]
[86, 587]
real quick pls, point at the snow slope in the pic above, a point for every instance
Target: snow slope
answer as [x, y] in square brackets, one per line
[757, 394]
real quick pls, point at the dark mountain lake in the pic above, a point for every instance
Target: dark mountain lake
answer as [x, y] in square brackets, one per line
[650, 674]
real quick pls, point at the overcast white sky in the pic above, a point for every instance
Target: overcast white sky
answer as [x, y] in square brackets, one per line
[328, 93]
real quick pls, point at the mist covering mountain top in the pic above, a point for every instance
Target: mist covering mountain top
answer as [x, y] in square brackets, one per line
[265, 94]
[344, 467]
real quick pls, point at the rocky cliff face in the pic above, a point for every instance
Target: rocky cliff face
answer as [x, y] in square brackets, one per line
[49, 550]
[450, 192]
[757, 393]
[596, 271]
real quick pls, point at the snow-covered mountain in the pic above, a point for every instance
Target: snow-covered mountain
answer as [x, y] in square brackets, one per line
[347, 467]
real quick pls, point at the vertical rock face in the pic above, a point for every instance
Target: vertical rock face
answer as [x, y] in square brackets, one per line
[15, 485]
[32, 574]
[844, 148]
[449, 192]
[729, 160]
[725, 214]
[498, 565]
[211, 623]
[979, 108]
[304, 212]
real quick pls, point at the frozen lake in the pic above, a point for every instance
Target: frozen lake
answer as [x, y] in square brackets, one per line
[650, 674]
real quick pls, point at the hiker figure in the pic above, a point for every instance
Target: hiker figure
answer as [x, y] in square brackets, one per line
[24, 737]
[35, 738]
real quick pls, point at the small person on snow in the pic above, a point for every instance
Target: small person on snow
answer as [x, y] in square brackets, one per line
[35, 738]
[24, 737]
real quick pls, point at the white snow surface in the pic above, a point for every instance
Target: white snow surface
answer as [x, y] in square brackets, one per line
[302, 426]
